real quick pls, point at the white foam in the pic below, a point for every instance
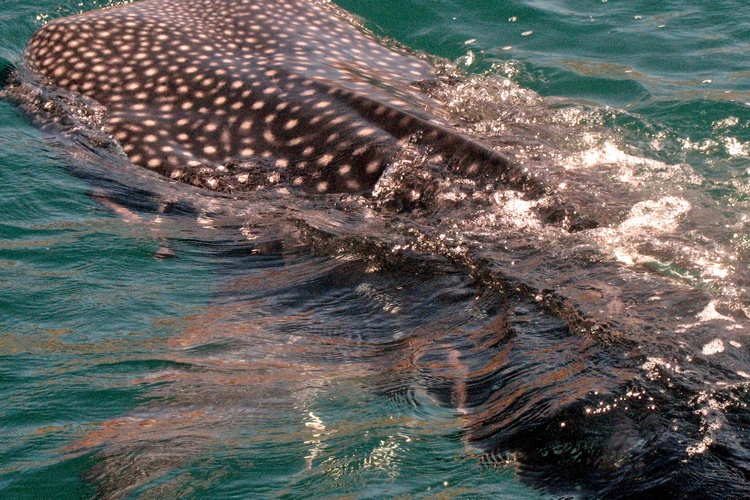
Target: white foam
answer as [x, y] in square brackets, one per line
[735, 148]
[660, 215]
[646, 220]
[628, 168]
[610, 154]
[514, 211]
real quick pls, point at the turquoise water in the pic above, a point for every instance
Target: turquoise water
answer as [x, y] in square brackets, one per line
[233, 370]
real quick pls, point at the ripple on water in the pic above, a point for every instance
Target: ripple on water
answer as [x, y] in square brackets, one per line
[273, 388]
[258, 360]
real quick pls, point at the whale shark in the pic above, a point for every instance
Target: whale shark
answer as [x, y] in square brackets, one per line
[211, 92]
[615, 378]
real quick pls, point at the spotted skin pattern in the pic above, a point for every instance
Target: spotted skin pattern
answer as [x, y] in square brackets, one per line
[291, 85]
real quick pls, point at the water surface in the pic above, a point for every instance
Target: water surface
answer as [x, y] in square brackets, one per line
[319, 348]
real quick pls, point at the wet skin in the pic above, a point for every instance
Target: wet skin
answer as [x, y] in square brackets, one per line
[211, 93]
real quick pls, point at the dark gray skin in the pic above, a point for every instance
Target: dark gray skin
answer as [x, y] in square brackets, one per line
[249, 85]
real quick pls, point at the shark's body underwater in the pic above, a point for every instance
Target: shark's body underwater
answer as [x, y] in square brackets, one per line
[226, 94]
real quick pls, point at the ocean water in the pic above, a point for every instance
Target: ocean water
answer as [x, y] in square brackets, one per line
[282, 353]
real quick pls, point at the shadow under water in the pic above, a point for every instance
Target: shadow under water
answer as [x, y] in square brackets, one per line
[587, 332]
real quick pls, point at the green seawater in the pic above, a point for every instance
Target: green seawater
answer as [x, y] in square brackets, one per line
[89, 319]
